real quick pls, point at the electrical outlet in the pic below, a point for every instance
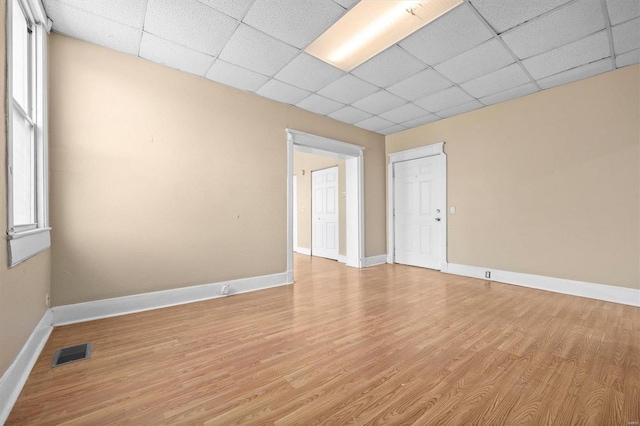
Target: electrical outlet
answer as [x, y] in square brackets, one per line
[47, 300]
[487, 274]
[225, 289]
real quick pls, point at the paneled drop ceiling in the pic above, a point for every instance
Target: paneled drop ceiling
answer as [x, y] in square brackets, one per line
[481, 53]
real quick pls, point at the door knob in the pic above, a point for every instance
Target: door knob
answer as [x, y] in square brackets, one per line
[437, 219]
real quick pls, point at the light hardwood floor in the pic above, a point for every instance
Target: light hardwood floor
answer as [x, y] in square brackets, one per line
[389, 344]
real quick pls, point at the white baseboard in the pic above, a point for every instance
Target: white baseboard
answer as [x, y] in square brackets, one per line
[608, 293]
[342, 258]
[374, 260]
[16, 375]
[80, 312]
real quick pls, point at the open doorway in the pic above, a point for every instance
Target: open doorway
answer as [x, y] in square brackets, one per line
[352, 155]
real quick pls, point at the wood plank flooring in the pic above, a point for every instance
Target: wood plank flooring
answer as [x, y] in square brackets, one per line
[385, 345]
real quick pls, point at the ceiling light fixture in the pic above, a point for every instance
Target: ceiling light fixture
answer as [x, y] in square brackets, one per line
[371, 26]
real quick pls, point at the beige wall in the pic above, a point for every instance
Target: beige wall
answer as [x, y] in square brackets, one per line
[308, 163]
[547, 184]
[24, 287]
[151, 166]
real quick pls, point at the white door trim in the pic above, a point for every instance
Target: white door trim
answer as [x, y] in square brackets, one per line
[294, 180]
[354, 183]
[354, 173]
[436, 149]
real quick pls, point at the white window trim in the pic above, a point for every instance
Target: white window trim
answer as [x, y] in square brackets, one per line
[27, 241]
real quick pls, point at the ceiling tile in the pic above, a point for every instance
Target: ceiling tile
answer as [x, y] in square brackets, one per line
[251, 49]
[404, 113]
[478, 61]
[516, 92]
[235, 76]
[447, 36]
[189, 23]
[460, 109]
[348, 89]
[556, 38]
[577, 73]
[448, 98]
[421, 121]
[564, 25]
[571, 55]
[626, 36]
[374, 124]
[389, 67]
[379, 102]
[233, 8]
[78, 24]
[128, 12]
[308, 72]
[349, 115]
[282, 92]
[319, 104]
[505, 14]
[393, 129]
[421, 85]
[347, 4]
[622, 10]
[173, 55]
[628, 58]
[506, 78]
[297, 22]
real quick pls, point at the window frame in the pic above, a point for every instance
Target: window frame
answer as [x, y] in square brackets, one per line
[27, 240]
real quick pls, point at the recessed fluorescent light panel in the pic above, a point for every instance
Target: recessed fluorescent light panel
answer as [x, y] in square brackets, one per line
[371, 26]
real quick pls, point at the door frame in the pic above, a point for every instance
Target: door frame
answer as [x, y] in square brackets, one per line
[354, 177]
[294, 181]
[434, 150]
[337, 207]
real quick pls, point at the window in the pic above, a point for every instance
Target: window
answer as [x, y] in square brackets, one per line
[28, 231]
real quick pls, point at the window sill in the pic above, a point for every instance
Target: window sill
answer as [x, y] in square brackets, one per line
[24, 245]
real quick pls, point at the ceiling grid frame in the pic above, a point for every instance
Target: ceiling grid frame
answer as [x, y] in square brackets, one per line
[300, 51]
[244, 13]
[144, 16]
[453, 83]
[504, 45]
[607, 26]
[251, 77]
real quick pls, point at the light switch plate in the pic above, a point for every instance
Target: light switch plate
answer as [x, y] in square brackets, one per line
[452, 210]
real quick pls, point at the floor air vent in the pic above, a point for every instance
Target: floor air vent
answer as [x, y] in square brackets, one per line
[71, 354]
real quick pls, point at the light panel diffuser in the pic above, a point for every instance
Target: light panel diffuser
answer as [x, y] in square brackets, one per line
[371, 26]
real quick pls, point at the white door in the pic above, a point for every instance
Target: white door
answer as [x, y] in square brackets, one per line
[324, 220]
[417, 213]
